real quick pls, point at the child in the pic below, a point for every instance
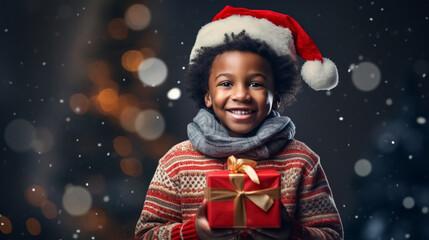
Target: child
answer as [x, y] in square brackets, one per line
[243, 67]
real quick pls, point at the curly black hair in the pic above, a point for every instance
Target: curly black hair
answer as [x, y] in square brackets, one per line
[287, 81]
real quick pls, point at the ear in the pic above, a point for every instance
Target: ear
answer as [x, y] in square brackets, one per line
[276, 101]
[208, 99]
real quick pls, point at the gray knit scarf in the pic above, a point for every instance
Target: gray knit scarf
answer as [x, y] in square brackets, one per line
[210, 138]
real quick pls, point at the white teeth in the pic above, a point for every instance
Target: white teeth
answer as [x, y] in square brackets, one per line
[241, 112]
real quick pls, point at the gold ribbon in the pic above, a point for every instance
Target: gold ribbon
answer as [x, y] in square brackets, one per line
[263, 198]
[242, 165]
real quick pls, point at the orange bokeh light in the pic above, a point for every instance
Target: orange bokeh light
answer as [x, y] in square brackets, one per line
[131, 167]
[33, 226]
[118, 29]
[147, 53]
[79, 103]
[128, 100]
[49, 210]
[131, 60]
[99, 71]
[108, 84]
[128, 118]
[35, 195]
[137, 17]
[122, 146]
[5, 225]
[108, 99]
[95, 219]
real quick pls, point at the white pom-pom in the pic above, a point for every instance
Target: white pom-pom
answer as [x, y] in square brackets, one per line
[320, 76]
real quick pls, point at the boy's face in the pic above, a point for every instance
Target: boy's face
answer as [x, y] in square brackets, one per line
[241, 88]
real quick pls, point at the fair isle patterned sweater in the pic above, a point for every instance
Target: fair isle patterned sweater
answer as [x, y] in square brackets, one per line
[177, 190]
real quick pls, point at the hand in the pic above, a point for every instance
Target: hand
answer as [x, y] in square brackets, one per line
[204, 231]
[274, 233]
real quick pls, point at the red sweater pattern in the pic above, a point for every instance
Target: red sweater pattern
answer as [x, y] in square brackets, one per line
[177, 190]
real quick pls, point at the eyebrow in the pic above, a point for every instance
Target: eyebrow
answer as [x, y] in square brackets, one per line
[250, 76]
[259, 74]
[223, 74]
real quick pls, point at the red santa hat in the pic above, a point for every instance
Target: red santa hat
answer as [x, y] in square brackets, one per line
[281, 32]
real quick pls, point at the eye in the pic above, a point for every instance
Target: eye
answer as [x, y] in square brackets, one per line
[256, 84]
[225, 84]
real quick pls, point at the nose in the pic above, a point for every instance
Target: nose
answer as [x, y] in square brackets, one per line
[241, 93]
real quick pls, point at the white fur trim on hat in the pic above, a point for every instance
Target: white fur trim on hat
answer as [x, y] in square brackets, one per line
[320, 76]
[213, 34]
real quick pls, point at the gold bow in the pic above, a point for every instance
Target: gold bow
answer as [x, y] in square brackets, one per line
[242, 165]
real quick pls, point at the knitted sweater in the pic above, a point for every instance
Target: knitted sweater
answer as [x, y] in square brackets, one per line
[177, 190]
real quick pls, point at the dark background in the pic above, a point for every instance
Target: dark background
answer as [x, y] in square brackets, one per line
[47, 49]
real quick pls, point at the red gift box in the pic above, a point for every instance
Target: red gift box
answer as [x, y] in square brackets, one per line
[234, 201]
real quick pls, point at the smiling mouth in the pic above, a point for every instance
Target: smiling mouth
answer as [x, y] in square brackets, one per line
[241, 112]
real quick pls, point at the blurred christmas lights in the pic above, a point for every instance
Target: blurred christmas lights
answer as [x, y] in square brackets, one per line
[366, 76]
[137, 17]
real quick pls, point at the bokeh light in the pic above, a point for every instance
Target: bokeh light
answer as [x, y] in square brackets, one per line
[118, 29]
[128, 118]
[79, 103]
[421, 120]
[389, 102]
[19, 135]
[122, 146]
[131, 167]
[408, 202]
[77, 200]
[363, 167]
[137, 17]
[131, 60]
[174, 94]
[33, 226]
[95, 219]
[43, 140]
[5, 225]
[49, 209]
[148, 53]
[149, 124]
[152, 72]
[99, 72]
[366, 76]
[108, 99]
[128, 100]
[35, 195]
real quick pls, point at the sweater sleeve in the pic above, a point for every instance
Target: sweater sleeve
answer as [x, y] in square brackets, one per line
[161, 216]
[316, 215]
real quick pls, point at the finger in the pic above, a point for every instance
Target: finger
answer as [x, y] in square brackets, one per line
[202, 210]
